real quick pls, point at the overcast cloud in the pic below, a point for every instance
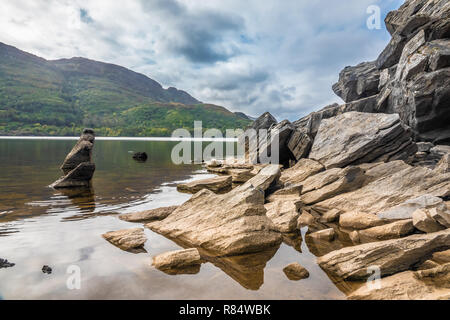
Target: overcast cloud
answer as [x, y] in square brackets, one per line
[251, 56]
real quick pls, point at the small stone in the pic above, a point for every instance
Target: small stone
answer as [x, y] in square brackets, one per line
[46, 269]
[140, 156]
[131, 240]
[295, 272]
[5, 264]
[180, 259]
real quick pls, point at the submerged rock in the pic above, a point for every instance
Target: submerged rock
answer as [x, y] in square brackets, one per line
[228, 224]
[78, 167]
[47, 270]
[295, 272]
[148, 215]
[390, 256]
[327, 235]
[5, 264]
[131, 240]
[140, 156]
[216, 185]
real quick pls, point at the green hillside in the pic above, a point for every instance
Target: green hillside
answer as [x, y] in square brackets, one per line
[42, 97]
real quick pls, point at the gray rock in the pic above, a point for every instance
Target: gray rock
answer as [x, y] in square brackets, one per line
[5, 264]
[299, 144]
[354, 137]
[406, 209]
[358, 82]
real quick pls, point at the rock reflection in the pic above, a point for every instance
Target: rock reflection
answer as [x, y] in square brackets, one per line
[320, 247]
[179, 271]
[293, 240]
[247, 270]
[83, 199]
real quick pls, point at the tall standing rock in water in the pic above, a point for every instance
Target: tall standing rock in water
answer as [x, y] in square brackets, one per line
[78, 167]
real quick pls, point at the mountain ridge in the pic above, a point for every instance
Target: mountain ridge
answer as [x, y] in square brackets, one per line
[58, 97]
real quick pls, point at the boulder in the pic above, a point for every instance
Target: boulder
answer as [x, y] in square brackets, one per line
[131, 240]
[388, 185]
[295, 272]
[216, 185]
[299, 144]
[225, 224]
[330, 183]
[430, 284]
[424, 222]
[355, 137]
[278, 137]
[391, 256]
[284, 214]
[78, 167]
[303, 169]
[176, 262]
[358, 82]
[389, 231]
[327, 235]
[148, 215]
[359, 220]
[406, 209]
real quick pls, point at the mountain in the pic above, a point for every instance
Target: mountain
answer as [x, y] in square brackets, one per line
[60, 97]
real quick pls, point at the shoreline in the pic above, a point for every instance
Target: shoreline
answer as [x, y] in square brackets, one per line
[121, 138]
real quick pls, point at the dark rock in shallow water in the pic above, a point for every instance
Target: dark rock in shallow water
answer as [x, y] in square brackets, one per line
[46, 269]
[5, 264]
[78, 167]
[140, 156]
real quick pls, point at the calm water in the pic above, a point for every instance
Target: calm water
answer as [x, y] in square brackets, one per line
[41, 226]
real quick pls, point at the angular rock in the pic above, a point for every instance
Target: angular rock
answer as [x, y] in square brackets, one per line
[241, 175]
[132, 240]
[278, 137]
[440, 214]
[284, 215]
[388, 185]
[305, 219]
[78, 167]
[228, 224]
[326, 186]
[302, 170]
[444, 164]
[148, 215]
[358, 82]
[172, 262]
[5, 264]
[431, 284]
[424, 222]
[291, 193]
[299, 144]
[354, 137]
[327, 235]
[331, 216]
[295, 272]
[389, 231]
[216, 185]
[406, 209]
[359, 220]
[390, 256]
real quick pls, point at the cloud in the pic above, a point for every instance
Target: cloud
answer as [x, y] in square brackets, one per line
[250, 56]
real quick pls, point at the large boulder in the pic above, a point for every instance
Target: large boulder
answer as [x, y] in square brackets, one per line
[229, 224]
[355, 137]
[358, 82]
[388, 185]
[391, 256]
[78, 167]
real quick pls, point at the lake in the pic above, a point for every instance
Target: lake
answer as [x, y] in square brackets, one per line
[61, 228]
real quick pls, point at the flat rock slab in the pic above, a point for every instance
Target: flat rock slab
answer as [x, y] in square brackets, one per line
[148, 215]
[216, 185]
[225, 224]
[177, 262]
[390, 256]
[301, 171]
[356, 137]
[131, 240]
[431, 284]
[389, 231]
[359, 220]
[295, 272]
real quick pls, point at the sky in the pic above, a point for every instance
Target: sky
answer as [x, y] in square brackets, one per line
[252, 56]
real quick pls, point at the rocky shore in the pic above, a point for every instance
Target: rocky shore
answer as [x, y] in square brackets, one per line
[369, 178]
